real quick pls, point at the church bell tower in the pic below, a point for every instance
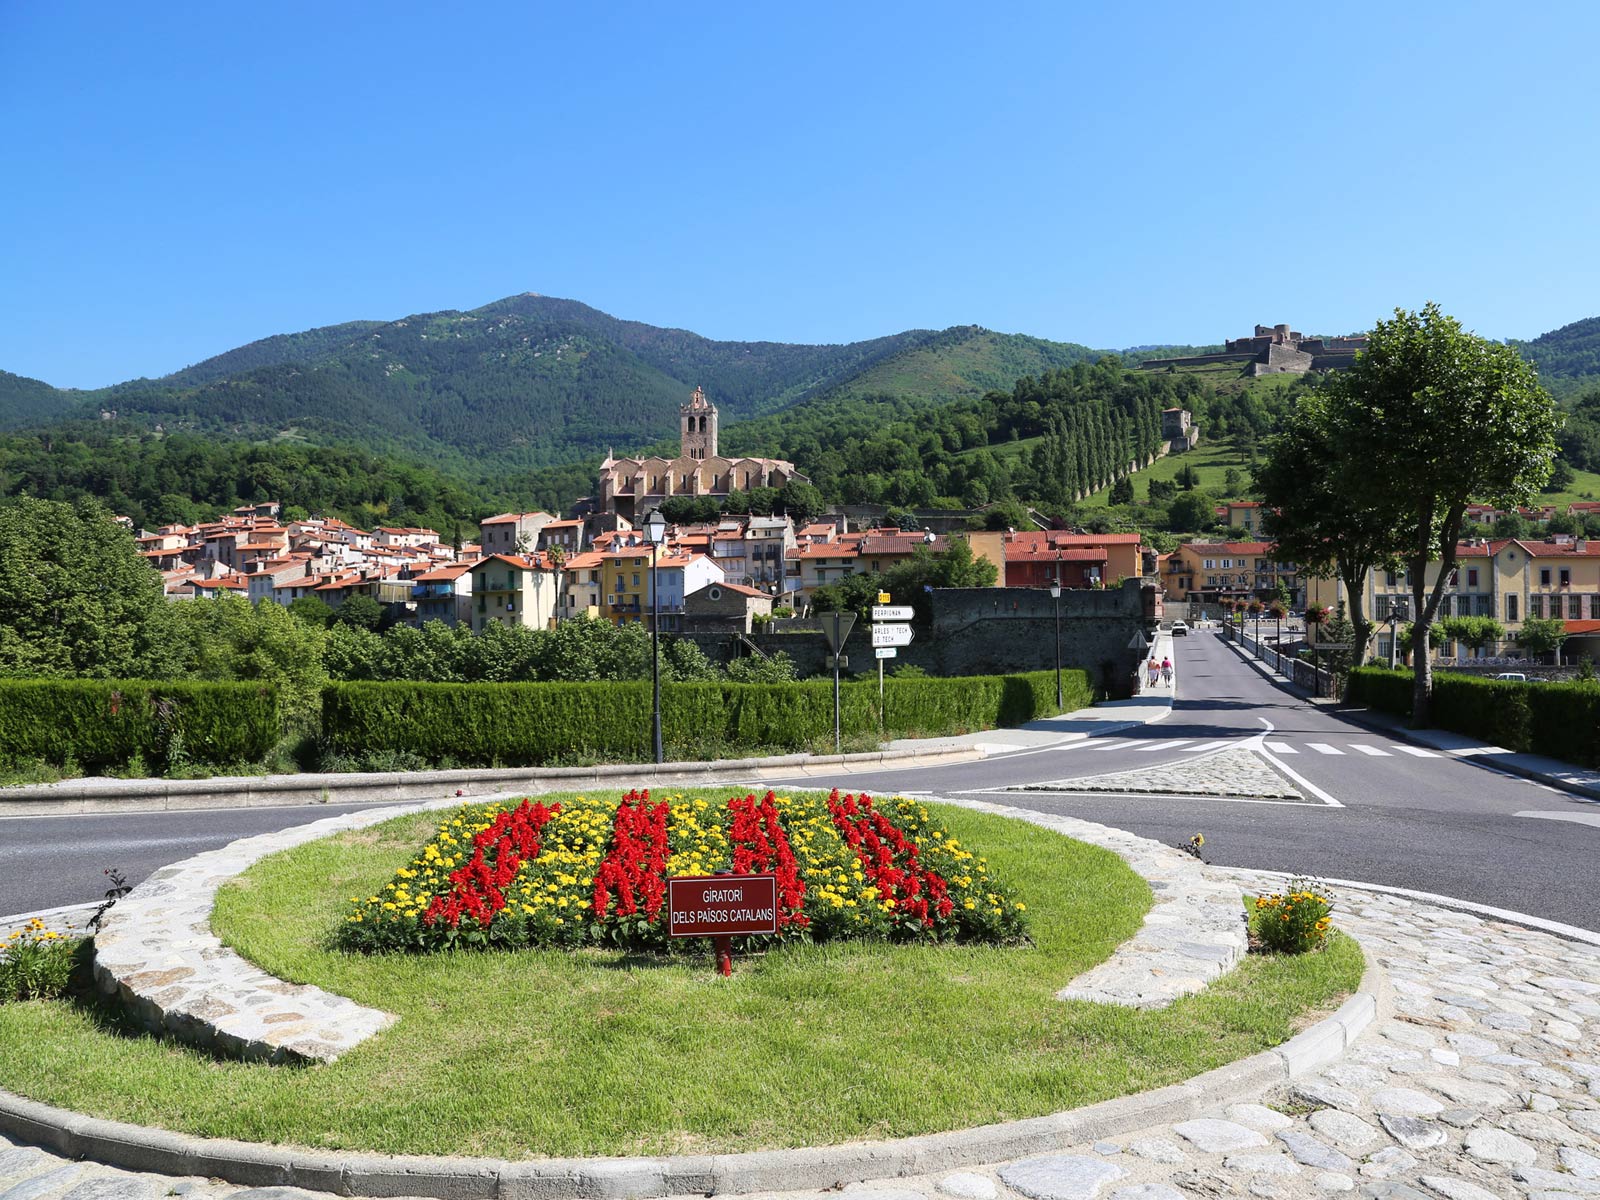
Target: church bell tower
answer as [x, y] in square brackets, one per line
[699, 427]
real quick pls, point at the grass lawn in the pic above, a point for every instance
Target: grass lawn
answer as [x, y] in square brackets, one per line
[542, 1053]
[1210, 459]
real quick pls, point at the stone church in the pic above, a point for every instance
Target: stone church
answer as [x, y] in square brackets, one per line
[631, 487]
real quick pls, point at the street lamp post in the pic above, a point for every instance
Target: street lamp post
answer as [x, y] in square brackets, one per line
[1055, 595]
[655, 531]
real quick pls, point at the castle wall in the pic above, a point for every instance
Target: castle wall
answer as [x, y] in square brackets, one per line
[989, 631]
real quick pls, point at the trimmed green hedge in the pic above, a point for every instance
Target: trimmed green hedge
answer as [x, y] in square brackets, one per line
[524, 724]
[1560, 720]
[103, 723]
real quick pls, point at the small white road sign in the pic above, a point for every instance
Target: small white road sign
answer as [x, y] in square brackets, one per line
[891, 635]
[895, 612]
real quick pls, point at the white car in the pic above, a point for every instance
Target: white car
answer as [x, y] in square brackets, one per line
[1180, 628]
[1515, 676]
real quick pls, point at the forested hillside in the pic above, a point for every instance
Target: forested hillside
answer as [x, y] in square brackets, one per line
[535, 382]
[303, 347]
[25, 401]
[1077, 428]
[514, 403]
[185, 478]
[1568, 358]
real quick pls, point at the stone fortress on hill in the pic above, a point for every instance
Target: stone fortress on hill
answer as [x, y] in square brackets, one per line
[631, 487]
[1276, 350]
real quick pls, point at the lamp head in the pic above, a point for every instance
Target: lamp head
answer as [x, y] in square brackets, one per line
[1055, 590]
[655, 527]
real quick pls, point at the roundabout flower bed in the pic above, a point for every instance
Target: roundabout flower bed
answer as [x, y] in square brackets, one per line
[592, 871]
[599, 1048]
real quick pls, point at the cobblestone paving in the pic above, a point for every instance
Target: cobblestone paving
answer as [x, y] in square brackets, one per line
[1484, 1085]
[1235, 771]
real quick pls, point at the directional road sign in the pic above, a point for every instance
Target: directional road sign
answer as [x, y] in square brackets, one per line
[886, 652]
[891, 635]
[836, 627]
[895, 612]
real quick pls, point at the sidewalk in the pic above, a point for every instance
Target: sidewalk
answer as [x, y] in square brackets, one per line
[1565, 776]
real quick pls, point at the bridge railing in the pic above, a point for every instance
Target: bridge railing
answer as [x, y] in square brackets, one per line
[1310, 676]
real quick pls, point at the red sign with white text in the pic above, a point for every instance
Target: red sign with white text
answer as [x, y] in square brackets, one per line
[721, 905]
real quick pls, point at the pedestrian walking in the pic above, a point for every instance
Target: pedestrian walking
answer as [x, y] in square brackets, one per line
[1154, 671]
[1166, 670]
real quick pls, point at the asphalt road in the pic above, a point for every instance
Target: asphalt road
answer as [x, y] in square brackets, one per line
[1377, 810]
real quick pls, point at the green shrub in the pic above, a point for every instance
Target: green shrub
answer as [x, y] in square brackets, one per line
[1293, 921]
[100, 723]
[526, 724]
[1380, 688]
[35, 963]
[1561, 720]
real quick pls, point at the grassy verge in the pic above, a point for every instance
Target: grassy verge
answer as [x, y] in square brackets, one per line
[552, 1053]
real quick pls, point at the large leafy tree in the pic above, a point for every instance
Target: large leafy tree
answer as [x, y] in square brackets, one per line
[75, 597]
[1319, 524]
[1430, 418]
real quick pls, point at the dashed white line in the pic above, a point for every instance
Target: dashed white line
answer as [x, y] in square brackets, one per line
[1416, 752]
[1208, 746]
[1162, 745]
[1370, 750]
[1280, 747]
[1324, 748]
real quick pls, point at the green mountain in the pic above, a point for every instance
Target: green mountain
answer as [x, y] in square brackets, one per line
[1568, 358]
[270, 352]
[25, 401]
[533, 382]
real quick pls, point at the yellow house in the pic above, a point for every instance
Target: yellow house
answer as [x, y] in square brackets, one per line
[625, 584]
[1213, 571]
[1246, 514]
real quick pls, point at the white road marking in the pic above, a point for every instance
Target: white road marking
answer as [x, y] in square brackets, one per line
[1290, 771]
[1324, 748]
[1113, 744]
[1372, 750]
[1209, 746]
[1164, 745]
[1579, 818]
[1416, 752]
[1280, 747]
[1040, 790]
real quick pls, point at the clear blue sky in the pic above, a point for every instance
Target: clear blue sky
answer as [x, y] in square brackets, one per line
[181, 179]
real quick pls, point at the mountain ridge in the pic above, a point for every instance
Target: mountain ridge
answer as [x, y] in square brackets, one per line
[530, 382]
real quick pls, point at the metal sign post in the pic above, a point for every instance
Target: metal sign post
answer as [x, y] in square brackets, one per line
[836, 627]
[882, 613]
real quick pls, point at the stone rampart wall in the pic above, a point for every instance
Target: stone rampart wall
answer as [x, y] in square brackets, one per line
[992, 631]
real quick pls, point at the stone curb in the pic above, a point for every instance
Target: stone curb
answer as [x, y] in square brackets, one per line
[137, 1148]
[76, 796]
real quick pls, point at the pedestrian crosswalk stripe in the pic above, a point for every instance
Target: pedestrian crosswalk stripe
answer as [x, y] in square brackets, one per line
[1416, 752]
[1207, 746]
[1113, 744]
[1280, 747]
[1164, 745]
[1324, 748]
[1372, 750]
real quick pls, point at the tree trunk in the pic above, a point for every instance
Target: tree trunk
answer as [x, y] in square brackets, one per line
[1425, 607]
[1355, 584]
